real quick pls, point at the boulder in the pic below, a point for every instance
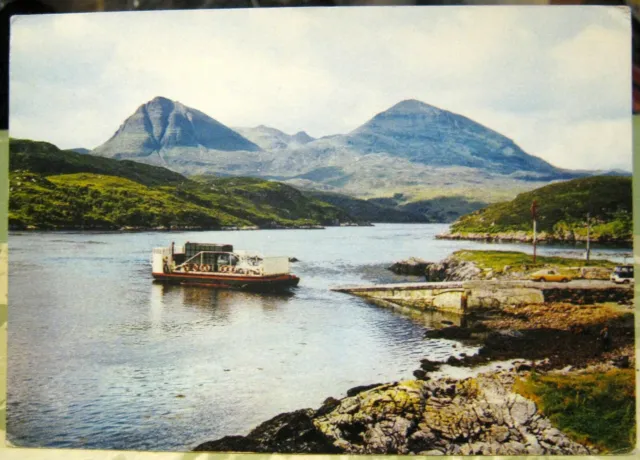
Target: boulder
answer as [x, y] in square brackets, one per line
[327, 406]
[429, 366]
[413, 266]
[420, 374]
[357, 390]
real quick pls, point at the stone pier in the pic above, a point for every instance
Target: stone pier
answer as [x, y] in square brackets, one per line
[465, 296]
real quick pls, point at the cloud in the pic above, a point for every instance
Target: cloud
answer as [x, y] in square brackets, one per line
[591, 144]
[75, 78]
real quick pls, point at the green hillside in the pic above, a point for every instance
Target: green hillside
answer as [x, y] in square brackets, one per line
[54, 189]
[369, 210]
[437, 209]
[47, 159]
[562, 211]
[262, 202]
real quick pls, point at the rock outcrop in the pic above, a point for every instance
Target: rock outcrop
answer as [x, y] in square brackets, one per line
[472, 416]
[413, 266]
[292, 432]
[453, 269]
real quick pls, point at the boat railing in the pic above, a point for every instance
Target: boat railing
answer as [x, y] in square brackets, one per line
[196, 262]
[246, 264]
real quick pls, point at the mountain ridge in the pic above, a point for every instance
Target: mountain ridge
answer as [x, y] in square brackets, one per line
[411, 144]
[269, 138]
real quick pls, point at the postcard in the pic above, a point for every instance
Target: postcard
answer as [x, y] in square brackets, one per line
[322, 231]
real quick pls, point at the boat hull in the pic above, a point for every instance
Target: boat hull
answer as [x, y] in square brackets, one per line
[246, 283]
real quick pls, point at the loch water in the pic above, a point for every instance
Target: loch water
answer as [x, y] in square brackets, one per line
[101, 357]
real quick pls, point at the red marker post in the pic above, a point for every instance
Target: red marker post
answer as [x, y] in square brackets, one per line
[534, 212]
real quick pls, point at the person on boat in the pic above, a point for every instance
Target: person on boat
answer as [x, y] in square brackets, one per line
[165, 264]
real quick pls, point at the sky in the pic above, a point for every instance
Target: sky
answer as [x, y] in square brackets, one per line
[556, 80]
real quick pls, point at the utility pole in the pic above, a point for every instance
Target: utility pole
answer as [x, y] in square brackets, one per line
[534, 209]
[588, 236]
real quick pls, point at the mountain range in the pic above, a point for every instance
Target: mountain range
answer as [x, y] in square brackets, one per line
[412, 147]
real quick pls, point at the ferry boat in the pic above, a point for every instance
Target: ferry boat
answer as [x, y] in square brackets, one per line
[220, 266]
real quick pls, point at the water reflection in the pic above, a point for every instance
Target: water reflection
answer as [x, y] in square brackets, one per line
[208, 299]
[430, 319]
[156, 306]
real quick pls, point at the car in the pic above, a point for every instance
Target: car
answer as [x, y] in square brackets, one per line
[622, 274]
[550, 275]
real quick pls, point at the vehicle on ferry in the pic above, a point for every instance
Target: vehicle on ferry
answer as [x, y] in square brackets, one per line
[220, 266]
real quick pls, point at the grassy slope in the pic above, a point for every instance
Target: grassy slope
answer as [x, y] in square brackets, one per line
[110, 194]
[371, 211]
[264, 200]
[47, 159]
[522, 266]
[489, 193]
[496, 260]
[595, 408]
[437, 209]
[445, 208]
[87, 200]
[562, 210]
[94, 201]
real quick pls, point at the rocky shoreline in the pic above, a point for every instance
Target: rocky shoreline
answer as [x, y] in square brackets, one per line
[467, 405]
[527, 237]
[478, 415]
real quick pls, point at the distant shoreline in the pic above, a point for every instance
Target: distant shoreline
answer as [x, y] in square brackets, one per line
[525, 237]
[177, 230]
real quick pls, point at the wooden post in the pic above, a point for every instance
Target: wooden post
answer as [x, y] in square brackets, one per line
[534, 209]
[534, 240]
[588, 236]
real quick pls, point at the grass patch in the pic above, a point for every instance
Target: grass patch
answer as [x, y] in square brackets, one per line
[595, 408]
[497, 260]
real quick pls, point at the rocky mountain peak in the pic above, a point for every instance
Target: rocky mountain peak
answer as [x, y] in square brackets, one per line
[162, 124]
[302, 137]
[412, 106]
[426, 134]
[159, 100]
